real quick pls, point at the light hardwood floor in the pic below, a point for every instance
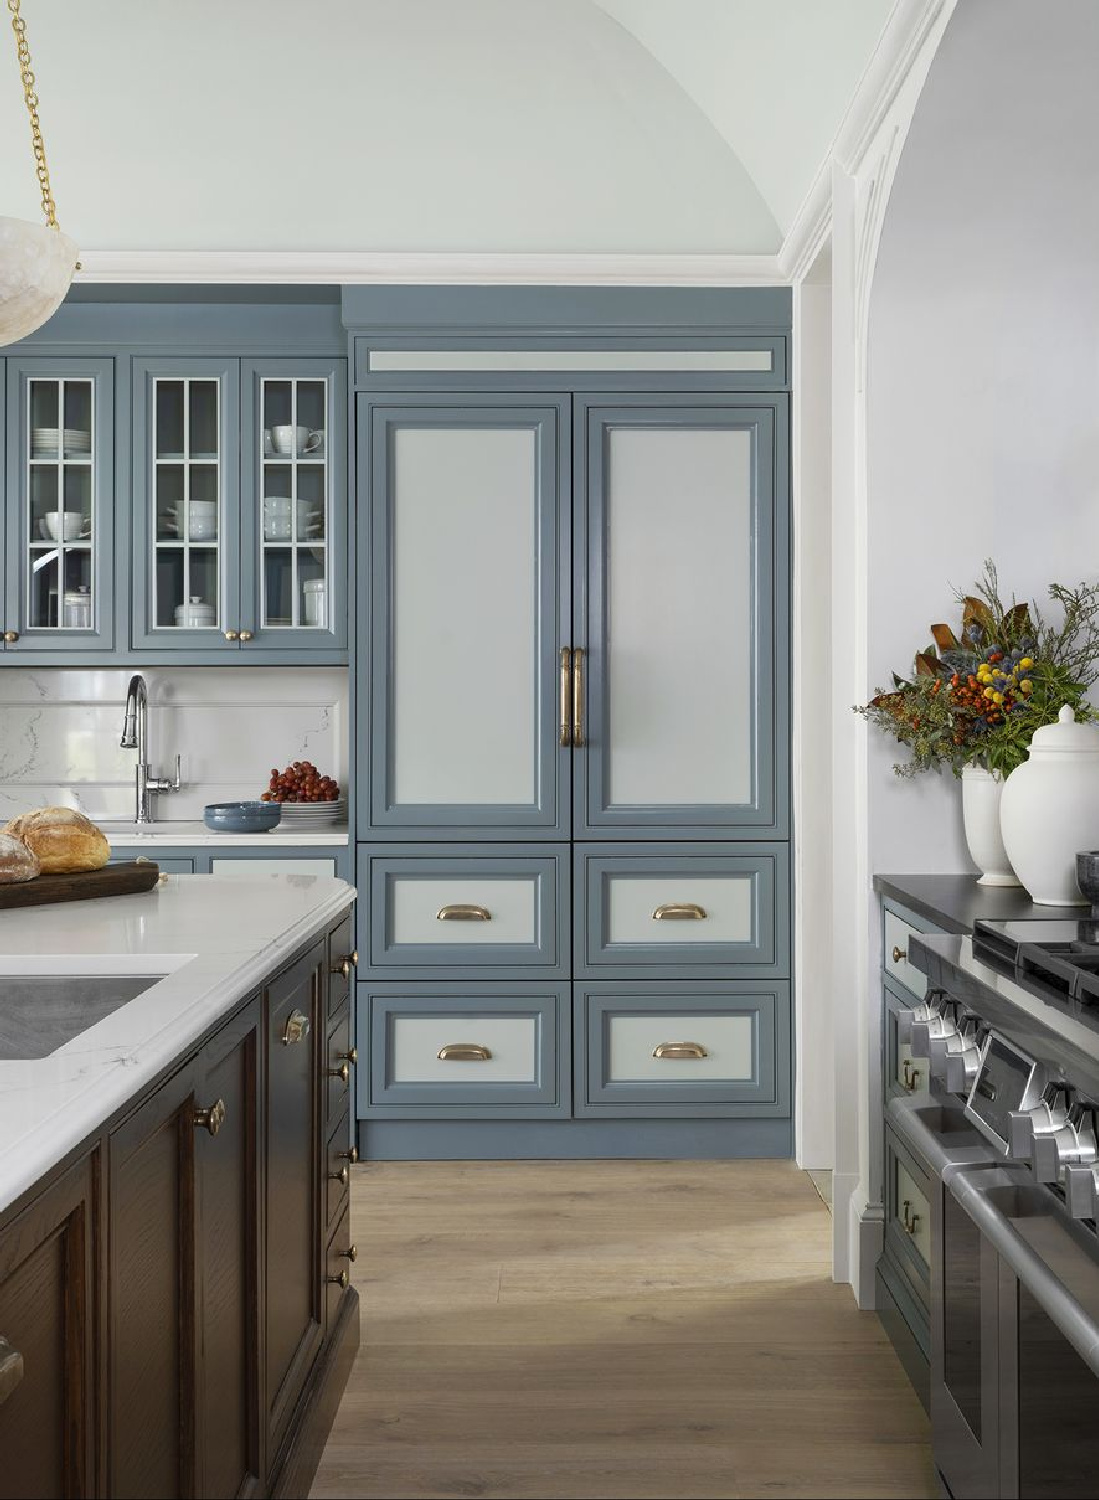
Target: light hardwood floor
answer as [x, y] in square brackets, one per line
[612, 1329]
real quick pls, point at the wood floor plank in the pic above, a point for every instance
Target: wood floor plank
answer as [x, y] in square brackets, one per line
[544, 1331]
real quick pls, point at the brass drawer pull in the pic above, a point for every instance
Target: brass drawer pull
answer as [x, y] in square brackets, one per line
[463, 1052]
[342, 1280]
[680, 1050]
[11, 1368]
[343, 1073]
[343, 1176]
[211, 1119]
[463, 912]
[910, 1076]
[679, 911]
[909, 1219]
[345, 965]
[578, 696]
[296, 1028]
[899, 955]
[566, 717]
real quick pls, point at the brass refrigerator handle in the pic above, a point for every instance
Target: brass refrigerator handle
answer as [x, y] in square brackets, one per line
[566, 689]
[578, 696]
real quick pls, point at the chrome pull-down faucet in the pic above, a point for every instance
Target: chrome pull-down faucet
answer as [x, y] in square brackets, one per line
[135, 736]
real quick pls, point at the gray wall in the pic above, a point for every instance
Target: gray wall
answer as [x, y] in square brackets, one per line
[984, 357]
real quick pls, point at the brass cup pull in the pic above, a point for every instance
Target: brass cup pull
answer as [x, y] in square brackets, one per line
[343, 1176]
[351, 1253]
[11, 636]
[211, 1119]
[578, 696]
[899, 955]
[680, 1050]
[679, 911]
[463, 1052]
[566, 684]
[352, 1156]
[231, 635]
[910, 1076]
[909, 1219]
[11, 1368]
[343, 1073]
[463, 912]
[343, 1279]
[296, 1028]
[246, 635]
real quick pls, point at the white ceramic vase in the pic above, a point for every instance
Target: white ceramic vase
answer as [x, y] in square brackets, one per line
[1050, 810]
[981, 792]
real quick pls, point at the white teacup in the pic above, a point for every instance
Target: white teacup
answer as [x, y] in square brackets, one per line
[67, 524]
[296, 439]
[202, 520]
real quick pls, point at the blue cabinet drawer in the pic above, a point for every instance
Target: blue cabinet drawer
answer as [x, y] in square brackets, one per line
[171, 865]
[463, 1050]
[659, 911]
[480, 909]
[692, 1049]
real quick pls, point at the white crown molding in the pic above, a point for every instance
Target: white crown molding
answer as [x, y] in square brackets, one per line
[348, 268]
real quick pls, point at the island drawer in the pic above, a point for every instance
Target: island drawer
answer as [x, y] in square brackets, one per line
[339, 1061]
[337, 1171]
[342, 961]
[897, 933]
[339, 1263]
[698, 910]
[476, 908]
[464, 1050]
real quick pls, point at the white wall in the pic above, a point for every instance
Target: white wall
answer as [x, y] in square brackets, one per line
[60, 732]
[984, 358]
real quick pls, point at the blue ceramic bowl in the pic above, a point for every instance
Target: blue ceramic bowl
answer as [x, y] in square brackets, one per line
[241, 817]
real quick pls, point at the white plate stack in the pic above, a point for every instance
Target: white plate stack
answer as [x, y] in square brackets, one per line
[78, 444]
[303, 815]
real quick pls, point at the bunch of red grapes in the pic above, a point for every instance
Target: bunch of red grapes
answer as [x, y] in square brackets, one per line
[300, 782]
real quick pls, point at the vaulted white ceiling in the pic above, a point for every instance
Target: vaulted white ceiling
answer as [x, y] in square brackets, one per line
[433, 125]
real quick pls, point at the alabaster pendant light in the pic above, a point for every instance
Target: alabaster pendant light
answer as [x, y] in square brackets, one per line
[37, 261]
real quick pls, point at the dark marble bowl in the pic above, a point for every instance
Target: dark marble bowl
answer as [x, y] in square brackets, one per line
[241, 817]
[1087, 875]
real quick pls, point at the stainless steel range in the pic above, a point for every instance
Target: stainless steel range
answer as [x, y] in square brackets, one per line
[1010, 1028]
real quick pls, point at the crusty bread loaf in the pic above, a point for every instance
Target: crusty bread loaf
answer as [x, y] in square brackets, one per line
[64, 840]
[17, 862]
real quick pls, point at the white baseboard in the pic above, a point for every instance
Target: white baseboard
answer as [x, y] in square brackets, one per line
[866, 1239]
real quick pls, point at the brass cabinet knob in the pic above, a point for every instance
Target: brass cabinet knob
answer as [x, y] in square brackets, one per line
[343, 967]
[352, 1056]
[343, 1280]
[343, 1176]
[11, 636]
[351, 1253]
[899, 955]
[296, 1028]
[352, 1156]
[211, 1119]
[232, 635]
[246, 635]
[343, 1073]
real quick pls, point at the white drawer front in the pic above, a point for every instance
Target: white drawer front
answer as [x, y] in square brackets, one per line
[251, 869]
[725, 899]
[511, 1040]
[511, 905]
[917, 1214]
[898, 934]
[632, 1039]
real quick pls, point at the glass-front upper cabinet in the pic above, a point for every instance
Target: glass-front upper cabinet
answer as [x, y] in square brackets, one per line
[186, 505]
[58, 593]
[294, 512]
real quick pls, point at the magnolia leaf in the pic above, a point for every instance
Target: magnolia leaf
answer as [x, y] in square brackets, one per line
[1017, 621]
[927, 665]
[945, 638]
[977, 612]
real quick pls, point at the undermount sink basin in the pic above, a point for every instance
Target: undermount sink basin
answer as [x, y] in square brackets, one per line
[41, 1012]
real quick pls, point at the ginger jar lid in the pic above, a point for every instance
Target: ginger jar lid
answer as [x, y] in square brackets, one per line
[1066, 737]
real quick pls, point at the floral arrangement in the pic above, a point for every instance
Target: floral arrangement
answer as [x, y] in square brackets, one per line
[975, 699]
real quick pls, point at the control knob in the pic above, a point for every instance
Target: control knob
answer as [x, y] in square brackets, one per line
[1073, 1144]
[963, 1062]
[940, 1024]
[922, 1012]
[1082, 1190]
[1043, 1118]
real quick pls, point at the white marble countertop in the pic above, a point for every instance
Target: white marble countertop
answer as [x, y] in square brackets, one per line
[213, 939]
[126, 835]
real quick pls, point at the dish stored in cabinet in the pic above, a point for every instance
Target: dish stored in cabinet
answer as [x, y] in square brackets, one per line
[661, 911]
[463, 1050]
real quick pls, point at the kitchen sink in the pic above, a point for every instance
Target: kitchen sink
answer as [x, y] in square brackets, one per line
[41, 1012]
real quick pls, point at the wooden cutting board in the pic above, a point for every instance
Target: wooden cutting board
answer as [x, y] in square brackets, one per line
[112, 880]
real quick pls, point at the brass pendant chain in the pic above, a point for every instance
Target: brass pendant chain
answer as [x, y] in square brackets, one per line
[18, 25]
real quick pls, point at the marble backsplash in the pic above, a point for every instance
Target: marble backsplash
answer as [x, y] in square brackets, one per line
[60, 731]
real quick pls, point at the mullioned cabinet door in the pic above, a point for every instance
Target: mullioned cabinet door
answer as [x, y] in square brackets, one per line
[468, 544]
[682, 609]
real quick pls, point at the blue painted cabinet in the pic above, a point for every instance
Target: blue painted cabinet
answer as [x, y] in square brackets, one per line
[59, 513]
